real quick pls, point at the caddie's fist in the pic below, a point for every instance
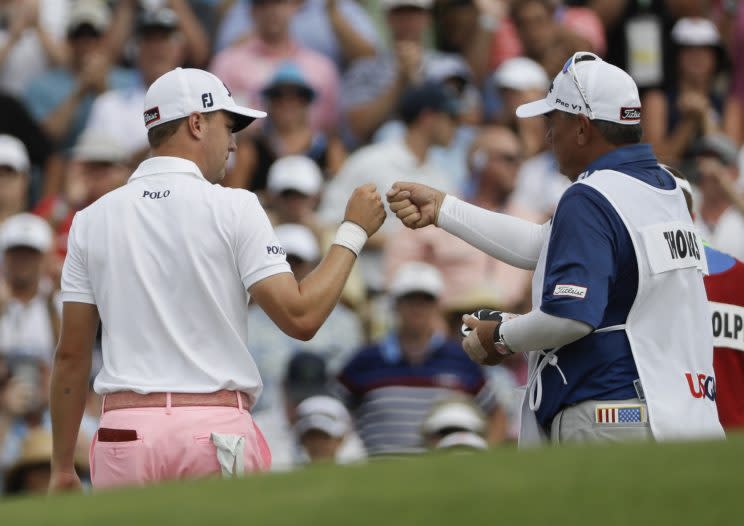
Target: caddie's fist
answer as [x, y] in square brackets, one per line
[365, 208]
[416, 205]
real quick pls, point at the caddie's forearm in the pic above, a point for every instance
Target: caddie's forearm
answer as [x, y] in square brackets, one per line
[69, 390]
[512, 240]
[536, 331]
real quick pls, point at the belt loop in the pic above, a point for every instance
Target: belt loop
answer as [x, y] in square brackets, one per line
[168, 403]
[240, 401]
[103, 405]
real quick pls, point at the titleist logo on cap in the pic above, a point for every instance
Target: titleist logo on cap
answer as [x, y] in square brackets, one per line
[630, 114]
[152, 115]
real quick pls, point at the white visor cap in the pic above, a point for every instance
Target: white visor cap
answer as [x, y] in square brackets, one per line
[184, 91]
[609, 93]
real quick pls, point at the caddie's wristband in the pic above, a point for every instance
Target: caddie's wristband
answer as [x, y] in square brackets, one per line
[351, 236]
[499, 343]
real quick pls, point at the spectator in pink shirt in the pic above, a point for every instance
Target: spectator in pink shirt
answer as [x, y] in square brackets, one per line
[494, 162]
[247, 66]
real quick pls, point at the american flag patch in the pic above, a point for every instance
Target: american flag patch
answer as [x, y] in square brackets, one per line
[620, 414]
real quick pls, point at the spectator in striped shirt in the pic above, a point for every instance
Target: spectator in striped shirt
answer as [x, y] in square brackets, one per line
[392, 385]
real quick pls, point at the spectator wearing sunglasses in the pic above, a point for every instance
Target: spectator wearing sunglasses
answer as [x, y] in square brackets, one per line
[269, 46]
[289, 99]
[494, 161]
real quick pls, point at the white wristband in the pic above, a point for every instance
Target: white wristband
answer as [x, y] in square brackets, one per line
[351, 236]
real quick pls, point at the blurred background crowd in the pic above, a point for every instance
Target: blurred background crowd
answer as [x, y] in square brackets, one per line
[357, 91]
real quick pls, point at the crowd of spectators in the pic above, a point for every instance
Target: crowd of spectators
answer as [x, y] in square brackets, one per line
[357, 91]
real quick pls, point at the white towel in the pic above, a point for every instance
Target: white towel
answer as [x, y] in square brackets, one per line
[230, 454]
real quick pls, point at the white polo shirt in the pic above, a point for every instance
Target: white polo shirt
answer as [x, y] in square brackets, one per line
[167, 259]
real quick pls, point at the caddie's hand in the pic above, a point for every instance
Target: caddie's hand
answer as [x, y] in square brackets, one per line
[365, 208]
[416, 205]
[478, 345]
[64, 481]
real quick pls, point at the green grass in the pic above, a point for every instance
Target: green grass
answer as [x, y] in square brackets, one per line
[675, 484]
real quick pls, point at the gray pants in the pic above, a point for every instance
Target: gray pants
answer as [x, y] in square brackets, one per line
[581, 423]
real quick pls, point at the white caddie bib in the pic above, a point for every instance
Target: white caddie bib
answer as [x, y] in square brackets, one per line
[668, 326]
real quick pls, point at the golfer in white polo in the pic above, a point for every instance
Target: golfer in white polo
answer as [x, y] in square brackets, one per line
[165, 262]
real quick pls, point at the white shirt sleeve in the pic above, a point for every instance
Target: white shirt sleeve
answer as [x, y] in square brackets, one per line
[258, 252]
[76, 285]
[509, 239]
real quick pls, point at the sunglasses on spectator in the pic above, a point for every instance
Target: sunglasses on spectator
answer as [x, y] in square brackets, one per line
[287, 91]
[269, 2]
[291, 193]
[84, 31]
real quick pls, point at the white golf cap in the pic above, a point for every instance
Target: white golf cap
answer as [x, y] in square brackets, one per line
[26, 230]
[417, 277]
[299, 241]
[609, 93]
[295, 172]
[322, 413]
[455, 414]
[184, 91]
[392, 4]
[93, 13]
[97, 146]
[695, 31]
[462, 440]
[13, 153]
[521, 73]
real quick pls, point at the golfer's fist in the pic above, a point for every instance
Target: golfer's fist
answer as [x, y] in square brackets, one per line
[365, 208]
[416, 205]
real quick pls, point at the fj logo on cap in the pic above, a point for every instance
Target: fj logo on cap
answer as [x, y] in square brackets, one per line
[630, 114]
[207, 101]
[152, 115]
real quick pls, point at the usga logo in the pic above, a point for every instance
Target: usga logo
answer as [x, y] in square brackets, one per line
[701, 386]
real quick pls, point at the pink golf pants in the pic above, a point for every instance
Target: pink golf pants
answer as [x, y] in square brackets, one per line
[172, 443]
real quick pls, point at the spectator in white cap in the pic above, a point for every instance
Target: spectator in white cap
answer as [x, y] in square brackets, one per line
[518, 81]
[98, 165]
[322, 426]
[161, 46]
[14, 176]
[540, 184]
[294, 187]
[193, 250]
[61, 98]
[618, 283]
[287, 131]
[29, 320]
[692, 107]
[455, 423]
[392, 384]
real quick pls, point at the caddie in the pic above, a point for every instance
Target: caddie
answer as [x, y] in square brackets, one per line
[620, 318]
